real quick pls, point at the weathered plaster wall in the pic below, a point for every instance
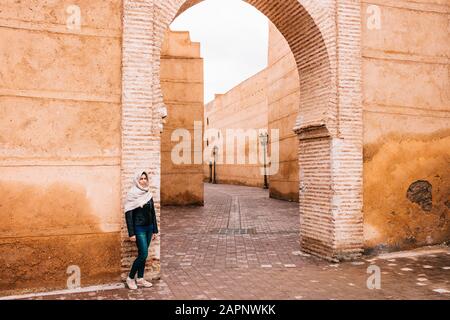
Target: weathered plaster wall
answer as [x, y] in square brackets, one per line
[60, 143]
[279, 100]
[283, 95]
[182, 86]
[242, 108]
[406, 124]
[325, 39]
[406, 117]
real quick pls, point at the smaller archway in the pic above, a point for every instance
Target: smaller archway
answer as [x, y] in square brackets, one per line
[302, 24]
[329, 126]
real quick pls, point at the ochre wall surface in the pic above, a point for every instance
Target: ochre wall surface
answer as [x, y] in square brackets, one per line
[283, 95]
[406, 88]
[182, 86]
[60, 144]
[61, 89]
[242, 108]
[278, 97]
[406, 104]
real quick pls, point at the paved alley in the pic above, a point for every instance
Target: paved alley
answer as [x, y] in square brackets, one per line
[244, 245]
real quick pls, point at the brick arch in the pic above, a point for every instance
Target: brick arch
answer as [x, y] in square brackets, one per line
[325, 38]
[310, 33]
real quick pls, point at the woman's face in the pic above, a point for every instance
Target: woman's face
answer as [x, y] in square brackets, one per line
[143, 181]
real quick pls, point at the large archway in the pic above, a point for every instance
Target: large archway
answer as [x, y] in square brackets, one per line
[329, 125]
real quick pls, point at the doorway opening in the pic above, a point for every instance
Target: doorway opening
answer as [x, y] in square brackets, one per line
[229, 160]
[328, 124]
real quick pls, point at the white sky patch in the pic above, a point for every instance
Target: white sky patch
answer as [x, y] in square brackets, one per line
[234, 41]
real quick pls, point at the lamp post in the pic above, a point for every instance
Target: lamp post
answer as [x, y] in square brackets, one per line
[264, 137]
[214, 155]
[210, 171]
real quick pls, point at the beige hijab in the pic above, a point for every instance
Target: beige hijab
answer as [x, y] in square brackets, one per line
[137, 195]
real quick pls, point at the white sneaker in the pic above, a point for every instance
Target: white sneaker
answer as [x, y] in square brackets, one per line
[141, 282]
[131, 284]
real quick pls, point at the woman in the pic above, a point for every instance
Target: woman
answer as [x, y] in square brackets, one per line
[142, 226]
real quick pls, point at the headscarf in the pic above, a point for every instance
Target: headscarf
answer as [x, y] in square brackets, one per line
[137, 195]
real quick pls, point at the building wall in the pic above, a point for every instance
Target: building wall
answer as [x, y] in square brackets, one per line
[284, 103]
[406, 105]
[242, 108]
[325, 37]
[182, 86]
[277, 92]
[60, 143]
[73, 80]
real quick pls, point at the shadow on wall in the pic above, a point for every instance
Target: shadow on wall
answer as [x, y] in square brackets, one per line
[407, 192]
[185, 198]
[44, 230]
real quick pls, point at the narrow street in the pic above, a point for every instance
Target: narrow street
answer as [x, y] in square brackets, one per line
[244, 245]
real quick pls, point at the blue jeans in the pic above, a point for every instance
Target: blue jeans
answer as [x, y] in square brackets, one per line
[143, 238]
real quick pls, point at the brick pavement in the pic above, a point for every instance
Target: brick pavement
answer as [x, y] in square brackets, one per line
[244, 245]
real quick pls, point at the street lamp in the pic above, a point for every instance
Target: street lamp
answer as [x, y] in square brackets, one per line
[215, 149]
[210, 171]
[264, 138]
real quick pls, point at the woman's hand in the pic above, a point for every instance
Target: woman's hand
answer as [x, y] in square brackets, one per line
[133, 238]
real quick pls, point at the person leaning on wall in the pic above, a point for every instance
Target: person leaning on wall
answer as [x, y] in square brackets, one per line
[142, 226]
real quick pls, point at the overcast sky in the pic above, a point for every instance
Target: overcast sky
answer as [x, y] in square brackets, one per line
[234, 41]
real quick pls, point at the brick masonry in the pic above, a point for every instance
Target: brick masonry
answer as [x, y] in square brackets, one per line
[325, 40]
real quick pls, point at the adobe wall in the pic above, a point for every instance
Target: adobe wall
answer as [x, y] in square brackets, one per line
[406, 105]
[279, 99]
[406, 86]
[182, 87]
[60, 144]
[283, 95]
[104, 80]
[242, 108]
